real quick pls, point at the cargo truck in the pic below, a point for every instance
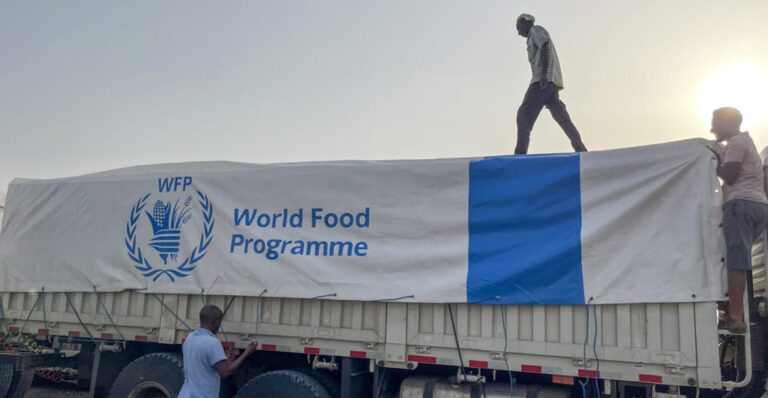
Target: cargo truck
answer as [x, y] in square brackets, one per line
[127, 342]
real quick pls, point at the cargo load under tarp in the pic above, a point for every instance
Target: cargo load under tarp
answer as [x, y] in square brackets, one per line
[621, 226]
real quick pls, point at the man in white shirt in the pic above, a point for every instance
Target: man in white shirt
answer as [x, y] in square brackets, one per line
[205, 362]
[545, 87]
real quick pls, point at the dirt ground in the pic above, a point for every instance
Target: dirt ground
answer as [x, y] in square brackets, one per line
[55, 392]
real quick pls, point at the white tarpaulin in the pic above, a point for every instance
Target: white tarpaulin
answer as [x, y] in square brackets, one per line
[622, 226]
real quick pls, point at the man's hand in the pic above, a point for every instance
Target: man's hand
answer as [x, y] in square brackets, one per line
[251, 348]
[228, 366]
[718, 150]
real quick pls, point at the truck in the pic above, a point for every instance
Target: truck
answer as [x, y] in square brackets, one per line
[125, 340]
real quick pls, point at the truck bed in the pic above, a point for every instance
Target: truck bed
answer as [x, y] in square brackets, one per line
[673, 344]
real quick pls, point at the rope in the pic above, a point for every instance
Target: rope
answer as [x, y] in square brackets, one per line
[45, 318]
[258, 311]
[232, 300]
[77, 315]
[506, 339]
[29, 314]
[108, 315]
[2, 315]
[594, 348]
[396, 298]
[324, 296]
[456, 338]
[171, 311]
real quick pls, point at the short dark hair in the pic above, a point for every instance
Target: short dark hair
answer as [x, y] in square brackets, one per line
[729, 114]
[210, 314]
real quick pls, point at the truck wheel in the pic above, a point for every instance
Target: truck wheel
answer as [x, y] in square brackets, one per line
[158, 375]
[325, 378]
[22, 380]
[282, 384]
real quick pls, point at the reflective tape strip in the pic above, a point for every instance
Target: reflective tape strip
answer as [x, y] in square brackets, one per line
[312, 350]
[358, 354]
[530, 369]
[594, 374]
[42, 331]
[74, 333]
[478, 364]
[650, 378]
[140, 338]
[567, 380]
[422, 359]
[268, 347]
[106, 336]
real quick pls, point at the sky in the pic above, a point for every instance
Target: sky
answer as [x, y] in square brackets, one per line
[87, 86]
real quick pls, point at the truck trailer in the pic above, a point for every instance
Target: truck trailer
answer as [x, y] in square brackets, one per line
[584, 275]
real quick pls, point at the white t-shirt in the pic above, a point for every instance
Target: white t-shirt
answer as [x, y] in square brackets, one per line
[537, 37]
[201, 351]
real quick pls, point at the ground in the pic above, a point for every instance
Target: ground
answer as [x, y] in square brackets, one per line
[55, 392]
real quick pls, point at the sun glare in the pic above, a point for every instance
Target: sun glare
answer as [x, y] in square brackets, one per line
[741, 86]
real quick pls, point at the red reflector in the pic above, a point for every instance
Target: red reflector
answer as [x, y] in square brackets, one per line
[42, 331]
[312, 350]
[478, 364]
[107, 336]
[650, 379]
[358, 354]
[422, 359]
[14, 329]
[562, 380]
[530, 368]
[228, 344]
[141, 338]
[73, 333]
[268, 347]
[589, 373]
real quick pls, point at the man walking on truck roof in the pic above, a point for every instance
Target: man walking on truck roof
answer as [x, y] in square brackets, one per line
[205, 362]
[745, 209]
[545, 87]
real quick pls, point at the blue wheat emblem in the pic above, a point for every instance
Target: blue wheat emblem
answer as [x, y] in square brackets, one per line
[166, 220]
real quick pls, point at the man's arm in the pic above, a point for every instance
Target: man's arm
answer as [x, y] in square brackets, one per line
[227, 366]
[544, 49]
[729, 172]
[729, 166]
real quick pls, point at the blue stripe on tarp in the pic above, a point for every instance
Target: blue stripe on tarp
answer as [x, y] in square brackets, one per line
[525, 230]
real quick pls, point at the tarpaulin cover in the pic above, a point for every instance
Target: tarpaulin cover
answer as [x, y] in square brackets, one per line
[620, 226]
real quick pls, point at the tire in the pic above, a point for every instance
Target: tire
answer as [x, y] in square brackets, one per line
[153, 375]
[22, 380]
[325, 378]
[282, 384]
[6, 378]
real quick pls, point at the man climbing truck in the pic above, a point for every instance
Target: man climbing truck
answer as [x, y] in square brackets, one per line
[550, 276]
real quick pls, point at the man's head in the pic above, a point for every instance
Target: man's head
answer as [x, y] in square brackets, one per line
[524, 24]
[210, 318]
[726, 123]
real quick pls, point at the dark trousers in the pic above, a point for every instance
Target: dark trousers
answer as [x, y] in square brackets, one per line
[535, 99]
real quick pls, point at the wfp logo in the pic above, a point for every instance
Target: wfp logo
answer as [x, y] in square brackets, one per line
[160, 224]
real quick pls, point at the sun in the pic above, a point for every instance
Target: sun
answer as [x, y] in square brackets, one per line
[742, 86]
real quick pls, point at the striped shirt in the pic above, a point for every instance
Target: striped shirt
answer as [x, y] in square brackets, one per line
[537, 37]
